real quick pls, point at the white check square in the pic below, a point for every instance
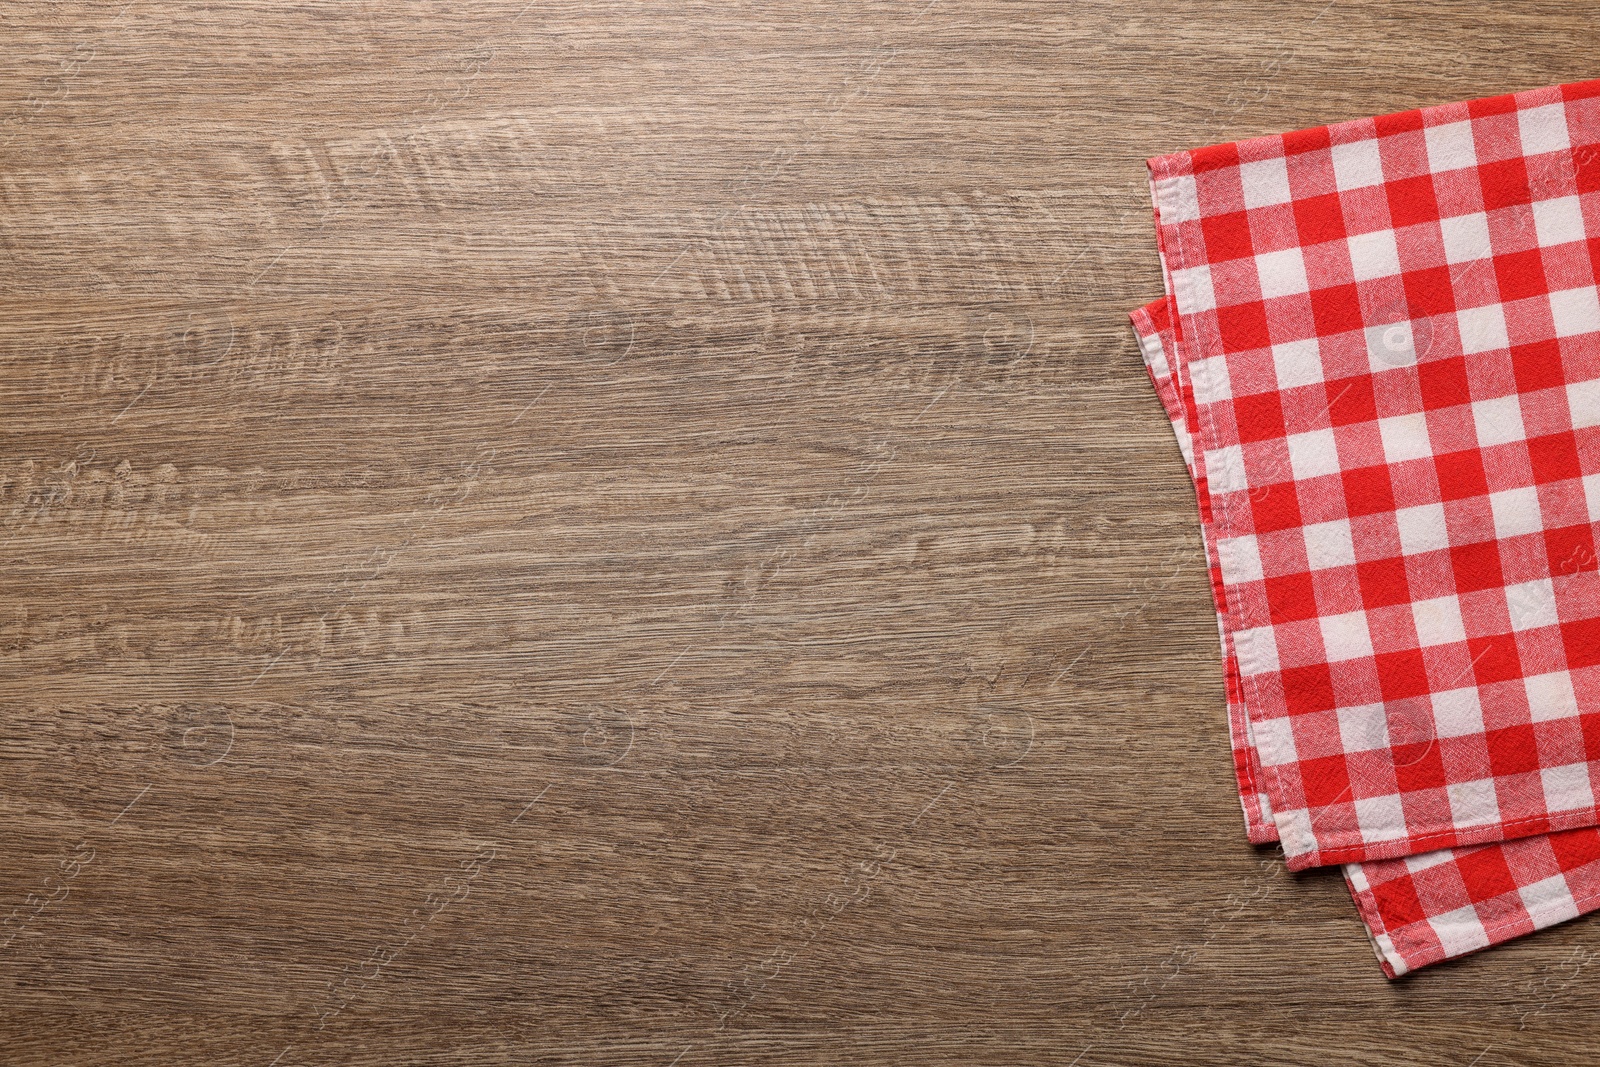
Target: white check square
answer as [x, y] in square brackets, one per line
[1374, 255]
[1549, 900]
[1356, 165]
[1275, 743]
[1405, 437]
[1297, 363]
[1266, 182]
[1466, 237]
[1225, 469]
[1459, 931]
[1557, 222]
[1473, 803]
[1364, 729]
[1345, 637]
[1457, 713]
[1329, 544]
[1498, 421]
[1282, 273]
[1210, 379]
[1583, 398]
[1438, 621]
[1516, 512]
[1258, 651]
[1483, 329]
[1532, 605]
[1193, 289]
[1543, 129]
[1450, 146]
[1381, 818]
[1313, 454]
[1240, 558]
[1179, 199]
[1422, 529]
[1550, 696]
[1575, 311]
[1567, 788]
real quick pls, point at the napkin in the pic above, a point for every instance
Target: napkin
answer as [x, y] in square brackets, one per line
[1421, 909]
[1387, 338]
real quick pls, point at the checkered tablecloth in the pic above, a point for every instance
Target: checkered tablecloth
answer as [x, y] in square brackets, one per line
[1420, 909]
[1381, 353]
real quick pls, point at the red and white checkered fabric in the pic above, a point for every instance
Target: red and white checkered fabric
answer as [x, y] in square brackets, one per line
[1391, 335]
[1439, 905]
[1421, 909]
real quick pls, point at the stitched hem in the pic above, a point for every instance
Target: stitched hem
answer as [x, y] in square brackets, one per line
[1343, 851]
[1413, 953]
[1389, 958]
[1163, 172]
[1259, 826]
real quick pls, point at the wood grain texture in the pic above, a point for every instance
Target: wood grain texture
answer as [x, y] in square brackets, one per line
[637, 533]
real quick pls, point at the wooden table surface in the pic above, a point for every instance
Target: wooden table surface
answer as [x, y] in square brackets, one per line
[637, 533]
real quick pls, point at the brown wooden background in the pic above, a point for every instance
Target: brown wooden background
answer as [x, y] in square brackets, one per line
[636, 533]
